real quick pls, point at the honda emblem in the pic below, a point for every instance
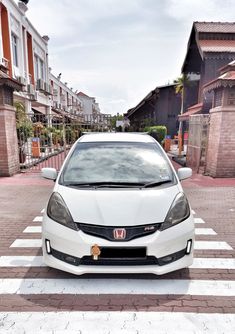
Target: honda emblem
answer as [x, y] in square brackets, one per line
[119, 233]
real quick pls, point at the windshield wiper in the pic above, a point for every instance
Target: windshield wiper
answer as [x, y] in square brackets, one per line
[155, 184]
[107, 184]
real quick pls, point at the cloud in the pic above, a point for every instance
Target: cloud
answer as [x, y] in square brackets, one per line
[116, 50]
[200, 10]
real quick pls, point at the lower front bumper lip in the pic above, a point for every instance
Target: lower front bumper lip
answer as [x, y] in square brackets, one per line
[135, 261]
[184, 262]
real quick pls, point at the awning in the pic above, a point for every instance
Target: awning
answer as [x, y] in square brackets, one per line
[39, 110]
[195, 109]
[225, 80]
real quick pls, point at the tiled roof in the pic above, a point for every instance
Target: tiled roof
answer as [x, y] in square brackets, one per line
[195, 109]
[217, 45]
[226, 79]
[82, 94]
[216, 27]
[228, 76]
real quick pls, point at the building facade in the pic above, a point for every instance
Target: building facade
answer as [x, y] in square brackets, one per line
[211, 46]
[160, 107]
[24, 56]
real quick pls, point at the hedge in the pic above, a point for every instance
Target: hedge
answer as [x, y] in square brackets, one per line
[158, 132]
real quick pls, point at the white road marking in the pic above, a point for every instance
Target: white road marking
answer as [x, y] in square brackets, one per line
[43, 210]
[117, 322]
[205, 231]
[217, 245]
[27, 243]
[197, 244]
[199, 221]
[193, 212]
[21, 261]
[33, 229]
[37, 261]
[78, 286]
[38, 219]
[213, 263]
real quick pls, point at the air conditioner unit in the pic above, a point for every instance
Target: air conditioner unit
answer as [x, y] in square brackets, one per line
[21, 80]
[47, 88]
[36, 96]
[30, 89]
[40, 84]
[5, 62]
[33, 97]
[55, 104]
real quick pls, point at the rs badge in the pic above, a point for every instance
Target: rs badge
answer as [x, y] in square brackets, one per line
[119, 233]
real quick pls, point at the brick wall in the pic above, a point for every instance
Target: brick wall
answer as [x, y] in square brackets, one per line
[221, 143]
[9, 157]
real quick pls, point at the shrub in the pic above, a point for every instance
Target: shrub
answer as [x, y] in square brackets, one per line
[158, 132]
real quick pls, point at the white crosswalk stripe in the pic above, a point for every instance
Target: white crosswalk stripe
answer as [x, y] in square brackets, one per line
[199, 221]
[127, 286]
[212, 245]
[117, 322]
[37, 261]
[197, 245]
[205, 231]
[22, 243]
[33, 229]
[38, 219]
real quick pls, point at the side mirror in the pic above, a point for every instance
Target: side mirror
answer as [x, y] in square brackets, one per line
[184, 173]
[49, 173]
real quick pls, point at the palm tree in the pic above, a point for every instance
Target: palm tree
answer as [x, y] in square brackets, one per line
[180, 89]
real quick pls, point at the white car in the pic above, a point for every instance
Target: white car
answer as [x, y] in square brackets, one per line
[117, 207]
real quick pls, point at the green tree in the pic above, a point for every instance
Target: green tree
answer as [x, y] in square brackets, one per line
[180, 84]
[116, 118]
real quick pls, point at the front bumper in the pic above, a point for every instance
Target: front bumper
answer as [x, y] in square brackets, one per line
[78, 245]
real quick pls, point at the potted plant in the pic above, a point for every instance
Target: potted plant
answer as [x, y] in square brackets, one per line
[24, 129]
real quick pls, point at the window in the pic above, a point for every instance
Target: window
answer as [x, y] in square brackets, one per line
[116, 162]
[39, 68]
[14, 41]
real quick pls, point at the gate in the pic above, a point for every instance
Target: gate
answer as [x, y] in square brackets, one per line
[197, 142]
[45, 140]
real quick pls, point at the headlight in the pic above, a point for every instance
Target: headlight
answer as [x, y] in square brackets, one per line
[58, 211]
[178, 212]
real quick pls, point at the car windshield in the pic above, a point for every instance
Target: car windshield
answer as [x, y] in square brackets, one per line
[119, 163]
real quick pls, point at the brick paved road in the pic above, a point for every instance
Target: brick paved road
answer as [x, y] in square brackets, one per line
[35, 298]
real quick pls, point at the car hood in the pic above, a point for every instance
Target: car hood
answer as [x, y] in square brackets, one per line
[118, 207]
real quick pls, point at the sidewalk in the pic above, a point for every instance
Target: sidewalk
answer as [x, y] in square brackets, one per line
[199, 180]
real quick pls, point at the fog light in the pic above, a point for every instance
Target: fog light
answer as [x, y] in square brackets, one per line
[189, 246]
[167, 259]
[48, 246]
[70, 259]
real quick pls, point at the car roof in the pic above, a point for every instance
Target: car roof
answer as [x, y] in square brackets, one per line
[116, 136]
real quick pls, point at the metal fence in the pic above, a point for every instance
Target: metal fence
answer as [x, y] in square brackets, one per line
[197, 142]
[44, 140]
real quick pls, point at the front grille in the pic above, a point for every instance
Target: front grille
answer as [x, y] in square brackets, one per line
[106, 232]
[112, 260]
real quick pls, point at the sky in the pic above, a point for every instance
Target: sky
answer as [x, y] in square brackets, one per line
[120, 50]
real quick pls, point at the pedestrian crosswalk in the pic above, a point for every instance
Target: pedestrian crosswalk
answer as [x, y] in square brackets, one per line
[121, 322]
[200, 299]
